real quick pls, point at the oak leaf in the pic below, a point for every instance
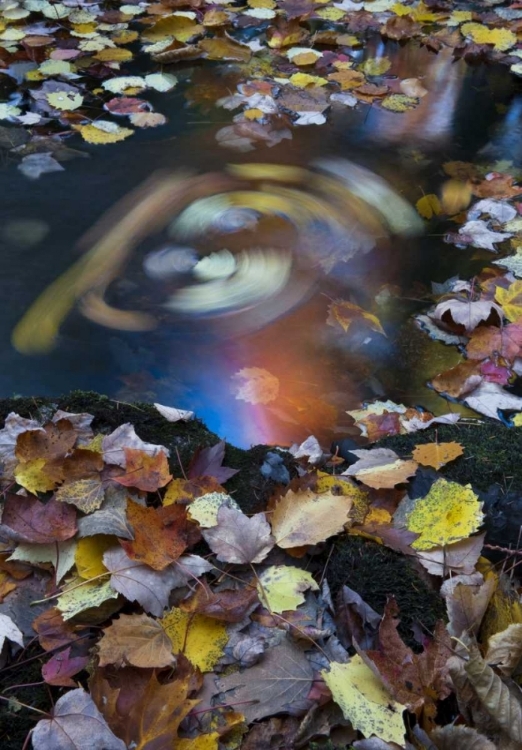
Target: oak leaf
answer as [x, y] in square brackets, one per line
[136, 640]
[238, 538]
[305, 517]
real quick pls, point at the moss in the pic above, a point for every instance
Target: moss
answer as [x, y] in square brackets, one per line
[491, 452]
[376, 572]
[248, 487]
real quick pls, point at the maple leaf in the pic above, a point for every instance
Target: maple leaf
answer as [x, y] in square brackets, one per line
[309, 518]
[146, 472]
[380, 468]
[151, 588]
[280, 681]
[448, 513]
[160, 534]
[467, 313]
[75, 723]
[507, 341]
[136, 640]
[207, 462]
[511, 300]
[415, 680]
[459, 380]
[343, 313]
[238, 538]
[437, 454]
[144, 711]
[61, 667]
[26, 519]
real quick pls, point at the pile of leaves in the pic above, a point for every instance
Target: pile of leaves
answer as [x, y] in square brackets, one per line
[69, 66]
[166, 616]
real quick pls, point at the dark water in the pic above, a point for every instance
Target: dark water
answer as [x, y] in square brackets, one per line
[470, 114]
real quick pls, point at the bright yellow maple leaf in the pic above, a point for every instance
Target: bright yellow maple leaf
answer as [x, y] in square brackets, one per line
[511, 300]
[201, 639]
[364, 700]
[448, 513]
[281, 587]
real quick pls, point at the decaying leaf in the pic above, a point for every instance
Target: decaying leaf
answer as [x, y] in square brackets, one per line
[463, 738]
[344, 314]
[136, 640]
[146, 472]
[200, 639]
[61, 668]
[505, 649]
[281, 587]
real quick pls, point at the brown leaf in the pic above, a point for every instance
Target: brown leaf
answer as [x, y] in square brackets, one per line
[144, 712]
[416, 680]
[238, 538]
[26, 519]
[226, 605]
[488, 340]
[82, 464]
[146, 472]
[52, 631]
[53, 442]
[463, 738]
[136, 640]
[344, 314]
[381, 468]
[160, 534]
[61, 667]
[208, 462]
[459, 380]
[400, 27]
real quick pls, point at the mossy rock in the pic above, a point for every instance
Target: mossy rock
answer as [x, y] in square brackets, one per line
[248, 487]
[375, 573]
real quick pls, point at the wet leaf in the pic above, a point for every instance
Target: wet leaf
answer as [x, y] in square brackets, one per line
[501, 39]
[135, 640]
[255, 385]
[491, 399]
[65, 100]
[399, 103]
[100, 133]
[239, 539]
[344, 314]
[428, 206]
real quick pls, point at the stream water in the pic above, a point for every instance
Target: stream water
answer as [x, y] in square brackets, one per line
[195, 362]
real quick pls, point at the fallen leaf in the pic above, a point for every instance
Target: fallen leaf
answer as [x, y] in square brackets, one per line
[61, 667]
[60, 554]
[136, 640]
[428, 206]
[281, 587]
[174, 415]
[458, 558]
[27, 519]
[227, 605]
[75, 723]
[200, 639]
[301, 518]
[124, 436]
[467, 598]
[279, 681]
[465, 738]
[491, 399]
[83, 595]
[510, 300]
[146, 472]
[343, 313]
[239, 539]
[380, 468]
[437, 454]
[10, 631]
[448, 513]
[86, 494]
[478, 234]
[208, 462]
[364, 700]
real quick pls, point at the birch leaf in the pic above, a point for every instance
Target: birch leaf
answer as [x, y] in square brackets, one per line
[281, 587]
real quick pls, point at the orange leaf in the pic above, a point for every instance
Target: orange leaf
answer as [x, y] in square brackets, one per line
[144, 471]
[160, 534]
[437, 454]
[343, 313]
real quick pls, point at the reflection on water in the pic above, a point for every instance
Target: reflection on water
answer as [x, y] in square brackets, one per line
[222, 285]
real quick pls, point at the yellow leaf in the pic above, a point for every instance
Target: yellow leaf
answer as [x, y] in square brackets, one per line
[65, 100]
[448, 513]
[179, 27]
[511, 300]
[89, 554]
[79, 598]
[254, 114]
[344, 313]
[302, 80]
[399, 102]
[376, 66]
[201, 742]
[114, 55]
[307, 518]
[281, 587]
[31, 475]
[501, 39]
[204, 509]
[201, 639]
[455, 196]
[125, 36]
[331, 14]
[428, 206]
[93, 134]
[331, 483]
[364, 701]
[437, 454]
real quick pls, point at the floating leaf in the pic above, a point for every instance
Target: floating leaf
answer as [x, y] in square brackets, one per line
[501, 39]
[399, 102]
[428, 206]
[344, 314]
[95, 133]
[65, 100]
[376, 66]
